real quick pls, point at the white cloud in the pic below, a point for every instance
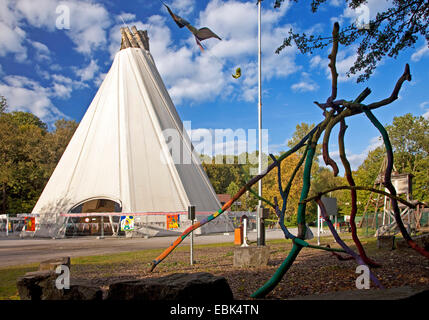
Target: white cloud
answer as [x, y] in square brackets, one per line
[306, 84]
[99, 79]
[355, 159]
[345, 60]
[183, 7]
[335, 3]
[88, 72]
[11, 35]
[55, 67]
[368, 10]
[317, 61]
[62, 91]
[25, 94]
[88, 21]
[420, 53]
[423, 105]
[42, 51]
[125, 16]
[63, 86]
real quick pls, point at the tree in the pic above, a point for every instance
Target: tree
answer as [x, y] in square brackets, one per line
[270, 187]
[28, 156]
[59, 139]
[232, 190]
[21, 118]
[24, 160]
[221, 174]
[367, 173]
[409, 136]
[391, 31]
[301, 130]
[3, 104]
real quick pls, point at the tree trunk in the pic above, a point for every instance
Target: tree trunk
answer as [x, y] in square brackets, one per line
[4, 199]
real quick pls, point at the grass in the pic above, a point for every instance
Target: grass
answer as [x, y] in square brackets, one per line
[8, 277]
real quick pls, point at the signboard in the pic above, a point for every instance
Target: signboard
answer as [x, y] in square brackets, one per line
[127, 223]
[173, 221]
[30, 224]
[191, 212]
[402, 183]
[330, 205]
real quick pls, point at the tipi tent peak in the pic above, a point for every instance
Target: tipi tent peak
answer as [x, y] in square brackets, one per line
[134, 39]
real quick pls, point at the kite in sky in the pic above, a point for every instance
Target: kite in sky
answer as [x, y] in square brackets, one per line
[200, 34]
[237, 73]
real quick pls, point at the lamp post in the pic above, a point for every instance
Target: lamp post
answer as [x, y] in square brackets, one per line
[259, 227]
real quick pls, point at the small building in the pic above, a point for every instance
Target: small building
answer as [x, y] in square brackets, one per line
[223, 198]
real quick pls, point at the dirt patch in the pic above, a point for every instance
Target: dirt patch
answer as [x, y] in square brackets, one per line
[314, 271]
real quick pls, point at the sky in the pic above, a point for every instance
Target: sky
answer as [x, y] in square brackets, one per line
[52, 66]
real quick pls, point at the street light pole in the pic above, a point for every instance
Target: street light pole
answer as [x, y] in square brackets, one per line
[260, 228]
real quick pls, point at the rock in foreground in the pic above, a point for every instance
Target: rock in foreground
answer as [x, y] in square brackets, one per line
[200, 286]
[40, 285]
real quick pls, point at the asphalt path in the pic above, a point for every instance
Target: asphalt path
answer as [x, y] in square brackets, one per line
[15, 251]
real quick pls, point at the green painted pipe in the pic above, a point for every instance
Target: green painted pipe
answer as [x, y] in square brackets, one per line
[297, 246]
[278, 275]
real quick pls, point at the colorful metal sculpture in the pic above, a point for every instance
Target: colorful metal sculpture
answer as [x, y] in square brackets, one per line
[335, 111]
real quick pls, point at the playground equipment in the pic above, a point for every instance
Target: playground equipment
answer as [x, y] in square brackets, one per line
[403, 185]
[334, 111]
[384, 222]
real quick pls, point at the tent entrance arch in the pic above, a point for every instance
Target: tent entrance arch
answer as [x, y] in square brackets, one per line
[82, 225]
[101, 205]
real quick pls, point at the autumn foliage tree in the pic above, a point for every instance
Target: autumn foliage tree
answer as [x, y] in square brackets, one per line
[29, 153]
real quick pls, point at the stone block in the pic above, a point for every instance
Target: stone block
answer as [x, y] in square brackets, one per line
[199, 286]
[387, 242]
[251, 256]
[32, 284]
[52, 264]
[40, 285]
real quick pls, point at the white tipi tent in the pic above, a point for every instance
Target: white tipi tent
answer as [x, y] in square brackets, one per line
[119, 151]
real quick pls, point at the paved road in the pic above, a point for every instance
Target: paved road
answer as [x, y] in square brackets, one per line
[25, 251]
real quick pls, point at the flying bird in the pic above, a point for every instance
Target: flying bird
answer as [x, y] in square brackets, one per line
[199, 34]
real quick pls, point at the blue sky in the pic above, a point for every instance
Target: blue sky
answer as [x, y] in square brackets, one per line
[55, 73]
